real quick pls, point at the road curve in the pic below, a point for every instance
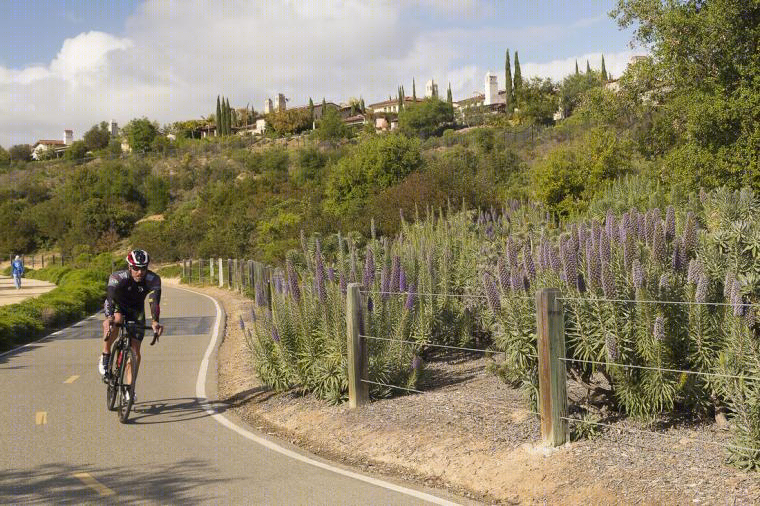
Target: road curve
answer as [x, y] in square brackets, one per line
[61, 445]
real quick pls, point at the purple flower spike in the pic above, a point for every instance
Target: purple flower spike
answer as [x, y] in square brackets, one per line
[608, 282]
[293, 288]
[342, 283]
[253, 314]
[369, 270]
[275, 334]
[604, 248]
[610, 342]
[530, 267]
[504, 279]
[410, 298]
[402, 280]
[242, 323]
[658, 244]
[659, 329]
[491, 292]
[737, 300]
[554, 259]
[664, 282]
[515, 280]
[319, 267]
[331, 274]
[370, 304]
[728, 284]
[610, 225]
[670, 223]
[700, 295]
[393, 286]
[677, 261]
[690, 235]
[570, 264]
[637, 275]
[416, 363]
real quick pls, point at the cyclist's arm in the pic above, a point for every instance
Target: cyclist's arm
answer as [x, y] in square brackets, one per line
[108, 306]
[154, 295]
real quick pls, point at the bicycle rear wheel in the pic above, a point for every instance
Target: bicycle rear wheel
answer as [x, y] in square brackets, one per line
[112, 380]
[127, 391]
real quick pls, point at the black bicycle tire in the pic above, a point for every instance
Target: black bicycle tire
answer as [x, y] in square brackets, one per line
[112, 384]
[125, 406]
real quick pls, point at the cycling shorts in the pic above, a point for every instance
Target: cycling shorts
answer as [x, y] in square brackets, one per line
[129, 315]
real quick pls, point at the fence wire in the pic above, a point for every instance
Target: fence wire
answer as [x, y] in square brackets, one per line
[668, 436]
[460, 295]
[631, 366]
[671, 302]
[438, 345]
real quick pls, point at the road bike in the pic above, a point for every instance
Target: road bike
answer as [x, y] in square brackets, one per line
[121, 375]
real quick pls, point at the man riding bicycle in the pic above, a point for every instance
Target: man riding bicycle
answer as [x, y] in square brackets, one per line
[127, 291]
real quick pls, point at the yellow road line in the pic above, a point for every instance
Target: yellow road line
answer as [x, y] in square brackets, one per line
[94, 484]
[41, 417]
[72, 379]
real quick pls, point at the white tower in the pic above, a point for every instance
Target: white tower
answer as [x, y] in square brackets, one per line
[68, 137]
[431, 89]
[114, 128]
[492, 89]
[267, 106]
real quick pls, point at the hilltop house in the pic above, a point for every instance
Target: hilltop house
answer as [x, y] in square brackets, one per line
[41, 146]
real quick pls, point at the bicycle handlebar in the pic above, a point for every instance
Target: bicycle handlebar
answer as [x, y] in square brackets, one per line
[134, 325]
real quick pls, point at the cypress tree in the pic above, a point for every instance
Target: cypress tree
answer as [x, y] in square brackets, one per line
[362, 106]
[400, 100]
[218, 117]
[224, 118]
[414, 91]
[508, 84]
[229, 117]
[604, 71]
[449, 98]
[517, 87]
[311, 110]
[576, 68]
[588, 68]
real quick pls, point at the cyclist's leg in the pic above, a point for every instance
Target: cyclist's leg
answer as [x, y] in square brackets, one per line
[108, 339]
[135, 342]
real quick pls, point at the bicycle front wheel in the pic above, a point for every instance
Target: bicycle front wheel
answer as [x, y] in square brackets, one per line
[127, 384]
[112, 379]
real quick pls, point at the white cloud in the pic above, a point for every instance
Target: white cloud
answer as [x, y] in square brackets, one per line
[175, 58]
[615, 63]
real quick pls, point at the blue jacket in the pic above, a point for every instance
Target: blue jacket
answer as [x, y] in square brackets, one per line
[18, 268]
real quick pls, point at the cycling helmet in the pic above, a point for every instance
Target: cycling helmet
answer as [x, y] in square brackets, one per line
[138, 258]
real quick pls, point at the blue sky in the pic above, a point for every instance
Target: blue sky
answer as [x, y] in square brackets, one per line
[79, 63]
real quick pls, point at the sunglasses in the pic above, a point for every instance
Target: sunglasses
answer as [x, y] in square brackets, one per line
[138, 269]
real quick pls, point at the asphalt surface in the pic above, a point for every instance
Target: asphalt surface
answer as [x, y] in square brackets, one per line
[61, 445]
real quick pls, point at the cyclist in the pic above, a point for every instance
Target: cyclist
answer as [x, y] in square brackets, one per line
[127, 291]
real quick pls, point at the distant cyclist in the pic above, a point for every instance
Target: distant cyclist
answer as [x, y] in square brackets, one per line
[127, 291]
[17, 271]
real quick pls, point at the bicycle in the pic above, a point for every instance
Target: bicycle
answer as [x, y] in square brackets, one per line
[123, 359]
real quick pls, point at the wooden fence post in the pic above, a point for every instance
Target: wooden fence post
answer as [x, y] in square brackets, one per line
[190, 270]
[200, 270]
[552, 372]
[251, 279]
[358, 366]
[43, 262]
[220, 271]
[211, 271]
[229, 273]
[235, 273]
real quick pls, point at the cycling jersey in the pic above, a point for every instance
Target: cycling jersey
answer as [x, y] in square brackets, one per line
[127, 296]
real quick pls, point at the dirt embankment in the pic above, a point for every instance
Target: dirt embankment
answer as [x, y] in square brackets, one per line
[471, 434]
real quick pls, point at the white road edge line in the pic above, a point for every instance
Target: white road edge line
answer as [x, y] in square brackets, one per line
[200, 392]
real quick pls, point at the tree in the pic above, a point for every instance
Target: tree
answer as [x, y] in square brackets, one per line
[414, 91]
[311, 110]
[20, 152]
[229, 115]
[604, 71]
[588, 68]
[290, 121]
[450, 100]
[331, 127]
[140, 134]
[539, 101]
[364, 110]
[97, 137]
[573, 89]
[508, 85]
[77, 151]
[5, 158]
[517, 82]
[425, 119]
[704, 71]
[576, 67]
[218, 116]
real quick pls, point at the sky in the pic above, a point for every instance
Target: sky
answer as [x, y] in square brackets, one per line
[70, 64]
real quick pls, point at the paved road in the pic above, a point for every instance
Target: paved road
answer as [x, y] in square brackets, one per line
[29, 288]
[61, 445]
